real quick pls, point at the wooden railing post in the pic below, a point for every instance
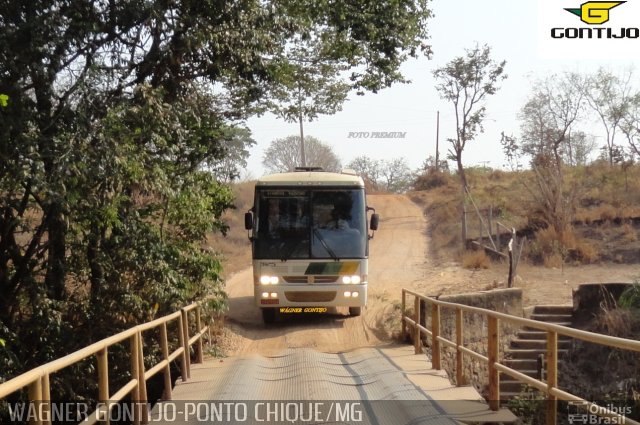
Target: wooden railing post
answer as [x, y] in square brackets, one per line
[493, 352]
[187, 348]
[417, 343]
[46, 399]
[200, 352]
[552, 376]
[460, 380]
[135, 394]
[164, 344]
[35, 397]
[142, 382]
[183, 363]
[435, 333]
[103, 382]
[403, 335]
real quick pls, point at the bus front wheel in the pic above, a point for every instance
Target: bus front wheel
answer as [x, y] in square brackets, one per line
[268, 315]
[355, 311]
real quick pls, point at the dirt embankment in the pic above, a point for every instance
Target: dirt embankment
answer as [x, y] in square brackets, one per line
[398, 258]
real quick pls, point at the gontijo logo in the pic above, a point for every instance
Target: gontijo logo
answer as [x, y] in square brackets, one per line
[595, 12]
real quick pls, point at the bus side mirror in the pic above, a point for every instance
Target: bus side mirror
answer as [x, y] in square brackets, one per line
[248, 220]
[375, 220]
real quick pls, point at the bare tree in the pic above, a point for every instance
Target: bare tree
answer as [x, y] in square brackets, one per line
[396, 175]
[284, 155]
[580, 145]
[549, 115]
[631, 124]
[367, 168]
[610, 96]
[466, 81]
[393, 175]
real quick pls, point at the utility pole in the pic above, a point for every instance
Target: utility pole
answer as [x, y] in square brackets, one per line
[437, 142]
[302, 158]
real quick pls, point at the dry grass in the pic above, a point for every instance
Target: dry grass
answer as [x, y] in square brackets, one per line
[607, 197]
[234, 247]
[475, 260]
[552, 248]
[616, 322]
[628, 233]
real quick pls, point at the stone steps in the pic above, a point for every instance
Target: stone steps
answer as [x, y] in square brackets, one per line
[529, 344]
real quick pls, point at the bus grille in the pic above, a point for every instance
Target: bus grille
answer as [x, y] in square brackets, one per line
[295, 279]
[310, 279]
[316, 297]
[325, 279]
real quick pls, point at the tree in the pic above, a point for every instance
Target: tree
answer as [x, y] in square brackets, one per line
[610, 96]
[548, 117]
[396, 175]
[631, 125]
[466, 81]
[110, 113]
[236, 152]
[283, 155]
[391, 175]
[367, 168]
[315, 75]
[579, 147]
[313, 86]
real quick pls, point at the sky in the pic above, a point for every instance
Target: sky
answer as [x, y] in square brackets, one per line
[516, 30]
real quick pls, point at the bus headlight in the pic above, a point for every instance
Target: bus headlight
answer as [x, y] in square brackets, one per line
[269, 280]
[355, 279]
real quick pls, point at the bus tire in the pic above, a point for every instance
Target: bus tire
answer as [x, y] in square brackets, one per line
[355, 311]
[268, 315]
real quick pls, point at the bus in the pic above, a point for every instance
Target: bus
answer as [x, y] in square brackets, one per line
[309, 233]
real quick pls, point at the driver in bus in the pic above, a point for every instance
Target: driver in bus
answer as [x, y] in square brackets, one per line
[275, 221]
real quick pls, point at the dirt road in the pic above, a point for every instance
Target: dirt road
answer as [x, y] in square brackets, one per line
[397, 255]
[398, 258]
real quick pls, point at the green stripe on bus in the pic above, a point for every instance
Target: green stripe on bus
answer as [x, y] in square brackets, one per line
[333, 268]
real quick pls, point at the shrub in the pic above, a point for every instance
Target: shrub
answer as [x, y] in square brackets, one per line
[431, 180]
[630, 298]
[475, 260]
[552, 248]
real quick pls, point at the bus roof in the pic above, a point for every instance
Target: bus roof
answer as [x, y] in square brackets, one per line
[310, 178]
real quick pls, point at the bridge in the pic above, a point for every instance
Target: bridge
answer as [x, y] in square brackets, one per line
[377, 385]
[321, 369]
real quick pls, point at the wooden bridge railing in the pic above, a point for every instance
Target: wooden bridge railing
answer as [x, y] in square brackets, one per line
[549, 386]
[37, 380]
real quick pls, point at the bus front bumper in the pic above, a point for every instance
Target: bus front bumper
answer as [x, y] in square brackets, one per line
[311, 295]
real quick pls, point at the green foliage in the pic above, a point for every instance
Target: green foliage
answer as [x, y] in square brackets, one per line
[124, 123]
[630, 298]
[530, 406]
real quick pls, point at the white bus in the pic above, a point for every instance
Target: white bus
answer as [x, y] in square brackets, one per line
[310, 242]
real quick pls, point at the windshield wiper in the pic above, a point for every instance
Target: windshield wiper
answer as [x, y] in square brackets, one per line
[291, 250]
[324, 244]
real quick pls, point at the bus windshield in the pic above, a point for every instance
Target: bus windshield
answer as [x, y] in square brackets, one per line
[310, 223]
